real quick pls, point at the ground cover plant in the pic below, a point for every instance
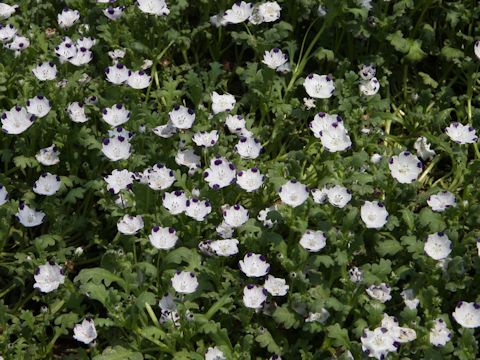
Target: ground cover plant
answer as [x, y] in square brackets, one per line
[214, 180]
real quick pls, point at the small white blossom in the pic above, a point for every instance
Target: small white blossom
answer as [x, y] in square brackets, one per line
[175, 202]
[476, 49]
[355, 275]
[130, 225]
[117, 74]
[248, 148]
[17, 120]
[182, 117]
[339, 196]
[309, 103]
[153, 7]
[198, 209]
[85, 331]
[47, 184]
[3, 195]
[369, 87]
[319, 86]
[320, 317]
[114, 13]
[45, 71]
[239, 12]
[405, 167]
[184, 282]
[461, 134]
[274, 58]
[76, 112]
[423, 148]
[254, 296]
[440, 334]
[380, 292]
[38, 106]
[138, 79]
[276, 286]
[29, 217]
[293, 193]
[254, 265]
[205, 138]
[441, 201]
[119, 180]
[367, 71]
[438, 246]
[163, 238]
[116, 115]
[467, 314]
[18, 44]
[250, 179]
[68, 18]
[116, 148]
[220, 174]
[313, 241]
[222, 103]
[373, 214]
[7, 10]
[409, 298]
[48, 277]
[378, 343]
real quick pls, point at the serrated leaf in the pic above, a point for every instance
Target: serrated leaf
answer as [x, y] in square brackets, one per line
[266, 340]
[118, 353]
[285, 317]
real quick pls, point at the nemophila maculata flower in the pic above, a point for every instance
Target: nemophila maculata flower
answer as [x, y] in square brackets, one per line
[175, 202]
[3, 195]
[409, 298]
[269, 11]
[198, 209]
[254, 296]
[320, 317]
[276, 286]
[117, 74]
[367, 71]
[378, 343]
[45, 71]
[439, 333]
[476, 49]
[320, 195]
[254, 265]
[250, 179]
[441, 201]
[7, 10]
[119, 180]
[405, 167]
[184, 282]
[222, 103]
[239, 13]
[7, 32]
[249, 148]
[116, 148]
[116, 115]
[48, 277]
[138, 79]
[68, 17]
[369, 87]
[205, 138]
[438, 246]
[293, 193]
[47, 184]
[153, 7]
[48, 156]
[130, 225]
[38, 106]
[165, 131]
[380, 292]
[76, 112]
[339, 196]
[225, 247]
[114, 13]
[18, 44]
[236, 124]
[355, 275]
[224, 230]
[274, 58]
[163, 238]
[82, 56]
[263, 217]
[188, 158]
[423, 148]
[214, 353]
[235, 215]
[158, 177]
[323, 122]
[319, 86]
[17, 120]
[116, 54]
[66, 50]
[374, 214]
[467, 314]
[220, 174]
[461, 134]
[120, 131]
[182, 117]
[29, 217]
[85, 332]
[313, 241]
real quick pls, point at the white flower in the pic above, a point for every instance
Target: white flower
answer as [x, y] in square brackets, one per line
[205, 138]
[355, 275]
[138, 79]
[313, 241]
[214, 354]
[68, 18]
[461, 134]
[335, 138]
[405, 167]
[165, 131]
[184, 282]
[236, 124]
[369, 87]
[76, 112]
[47, 184]
[248, 148]
[117, 74]
[221, 173]
[85, 42]
[324, 122]
[114, 13]
[367, 71]
[269, 11]
[117, 54]
[441, 201]
[45, 71]
[373, 214]
[82, 56]
[440, 334]
[7, 10]
[320, 195]
[153, 7]
[3, 195]
[116, 115]
[274, 58]
[321, 11]
[476, 49]
[376, 158]
[309, 103]
[116, 148]
[119, 180]
[367, 4]
[293, 193]
[467, 314]
[320, 317]
[198, 209]
[18, 44]
[182, 117]
[7, 32]
[225, 231]
[175, 202]
[16, 121]
[38, 106]
[409, 298]
[319, 86]
[66, 50]
[254, 265]
[163, 238]
[250, 179]
[380, 292]
[85, 331]
[225, 247]
[130, 225]
[254, 296]
[438, 246]
[239, 12]
[339, 196]
[378, 343]
[29, 217]
[276, 286]
[263, 214]
[48, 277]
[159, 177]
[222, 103]
[423, 148]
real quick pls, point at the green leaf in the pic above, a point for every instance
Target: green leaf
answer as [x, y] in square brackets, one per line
[286, 317]
[118, 353]
[338, 335]
[432, 220]
[388, 247]
[266, 340]
[99, 275]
